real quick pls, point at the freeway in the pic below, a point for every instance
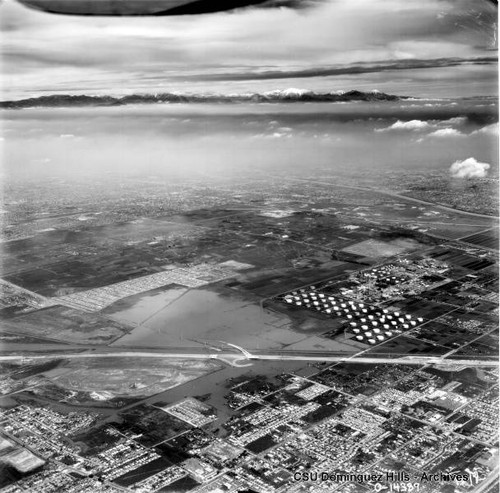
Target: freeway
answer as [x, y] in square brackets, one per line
[238, 358]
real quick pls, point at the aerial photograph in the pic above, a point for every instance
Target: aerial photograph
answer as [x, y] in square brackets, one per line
[249, 246]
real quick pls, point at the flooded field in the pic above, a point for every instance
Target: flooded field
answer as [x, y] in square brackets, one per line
[140, 308]
[216, 386]
[213, 386]
[184, 317]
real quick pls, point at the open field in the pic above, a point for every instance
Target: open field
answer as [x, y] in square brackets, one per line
[374, 248]
[67, 325]
[488, 239]
[18, 457]
[105, 378]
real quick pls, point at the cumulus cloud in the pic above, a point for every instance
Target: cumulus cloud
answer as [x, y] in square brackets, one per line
[279, 135]
[457, 120]
[446, 132]
[443, 126]
[469, 168]
[412, 125]
[487, 130]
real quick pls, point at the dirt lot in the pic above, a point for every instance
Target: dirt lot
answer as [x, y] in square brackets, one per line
[106, 378]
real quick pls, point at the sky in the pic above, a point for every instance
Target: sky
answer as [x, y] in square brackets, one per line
[425, 48]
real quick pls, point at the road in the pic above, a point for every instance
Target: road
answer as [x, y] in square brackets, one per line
[238, 359]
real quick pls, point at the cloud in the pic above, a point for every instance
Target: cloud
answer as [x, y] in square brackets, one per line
[348, 69]
[446, 132]
[421, 125]
[386, 38]
[487, 130]
[469, 168]
[412, 125]
[457, 120]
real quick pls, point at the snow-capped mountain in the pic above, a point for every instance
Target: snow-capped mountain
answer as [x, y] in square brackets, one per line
[280, 95]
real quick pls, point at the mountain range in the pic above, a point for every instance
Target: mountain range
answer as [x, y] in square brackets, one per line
[286, 95]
